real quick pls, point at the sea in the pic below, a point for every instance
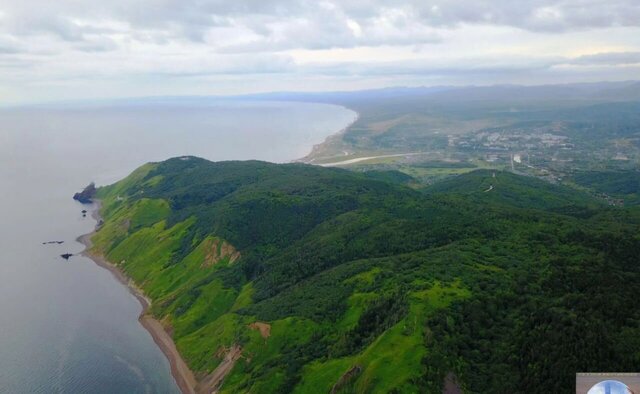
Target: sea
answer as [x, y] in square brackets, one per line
[68, 326]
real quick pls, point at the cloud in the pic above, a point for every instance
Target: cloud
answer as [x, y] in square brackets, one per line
[236, 64]
[468, 66]
[8, 49]
[533, 15]
[294, 41]
[97, 44]
[607, 59]
[283, 24]
[471, 66]
[9, 46]
[330, 31]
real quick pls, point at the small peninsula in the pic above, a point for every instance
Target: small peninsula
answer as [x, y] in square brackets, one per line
[86, 195]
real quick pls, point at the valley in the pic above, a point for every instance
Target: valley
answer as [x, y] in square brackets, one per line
[550, 132]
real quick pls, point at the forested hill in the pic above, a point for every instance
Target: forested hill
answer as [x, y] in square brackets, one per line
[515, 191]
[325, 279]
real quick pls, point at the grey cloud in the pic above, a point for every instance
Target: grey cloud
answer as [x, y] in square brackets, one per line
[100, 44]
[311, 24]
[183, 40]
[63, 27]
[239, 64]
[8, 50]
[330, 26]
[534, 15]
[9, 46]
[17, 64]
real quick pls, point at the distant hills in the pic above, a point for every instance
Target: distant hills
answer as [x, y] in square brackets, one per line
[596, 91]
[617, 91]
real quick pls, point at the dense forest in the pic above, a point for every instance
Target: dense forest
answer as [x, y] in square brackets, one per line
[505, 283]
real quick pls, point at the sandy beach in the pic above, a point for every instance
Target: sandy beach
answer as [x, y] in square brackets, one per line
[311, 157]
[183, 376]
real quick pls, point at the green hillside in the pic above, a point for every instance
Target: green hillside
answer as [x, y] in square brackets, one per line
[361, 284]
[483, 186]
[624, 185]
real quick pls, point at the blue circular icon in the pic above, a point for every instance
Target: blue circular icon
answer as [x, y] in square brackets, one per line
[609, 387]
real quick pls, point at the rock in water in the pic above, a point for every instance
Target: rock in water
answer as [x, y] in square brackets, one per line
[66, 256]
[86, 196]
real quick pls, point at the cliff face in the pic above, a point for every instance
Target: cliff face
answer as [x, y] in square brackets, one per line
[86, 195]
[370, 286]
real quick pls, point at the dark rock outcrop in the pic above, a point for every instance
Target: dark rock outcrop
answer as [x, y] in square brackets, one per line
[86, 196]
[66, 256]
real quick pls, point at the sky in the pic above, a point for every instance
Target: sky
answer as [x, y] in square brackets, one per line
[86, 49]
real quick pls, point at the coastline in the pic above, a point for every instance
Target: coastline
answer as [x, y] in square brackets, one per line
[181, 373]
[309, 158]
[183, 376]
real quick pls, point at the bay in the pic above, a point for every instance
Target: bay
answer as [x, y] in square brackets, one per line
[69, 326]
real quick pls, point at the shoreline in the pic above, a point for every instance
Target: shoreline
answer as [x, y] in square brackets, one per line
[309, 159]
[181, 373]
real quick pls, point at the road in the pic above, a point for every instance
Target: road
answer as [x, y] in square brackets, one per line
[359, 159]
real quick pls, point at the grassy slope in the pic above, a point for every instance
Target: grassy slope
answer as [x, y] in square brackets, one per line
[354, 271]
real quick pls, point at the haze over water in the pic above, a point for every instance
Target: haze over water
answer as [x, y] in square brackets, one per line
[69, 326]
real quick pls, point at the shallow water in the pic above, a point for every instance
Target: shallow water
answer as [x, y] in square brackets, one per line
[69, 326]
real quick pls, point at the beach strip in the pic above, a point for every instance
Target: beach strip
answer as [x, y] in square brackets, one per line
[183, 376]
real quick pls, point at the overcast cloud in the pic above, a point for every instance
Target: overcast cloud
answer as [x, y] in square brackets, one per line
[81, 48]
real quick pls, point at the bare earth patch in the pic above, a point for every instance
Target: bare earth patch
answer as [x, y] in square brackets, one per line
[212, 382]
[218, 250]
[264, 328]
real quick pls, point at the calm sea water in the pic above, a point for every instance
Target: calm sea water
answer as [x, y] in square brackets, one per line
[69, 326]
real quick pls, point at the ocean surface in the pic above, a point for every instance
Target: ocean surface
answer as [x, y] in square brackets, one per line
[70, 326]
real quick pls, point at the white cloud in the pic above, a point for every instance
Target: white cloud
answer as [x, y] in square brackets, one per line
[607, 59]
